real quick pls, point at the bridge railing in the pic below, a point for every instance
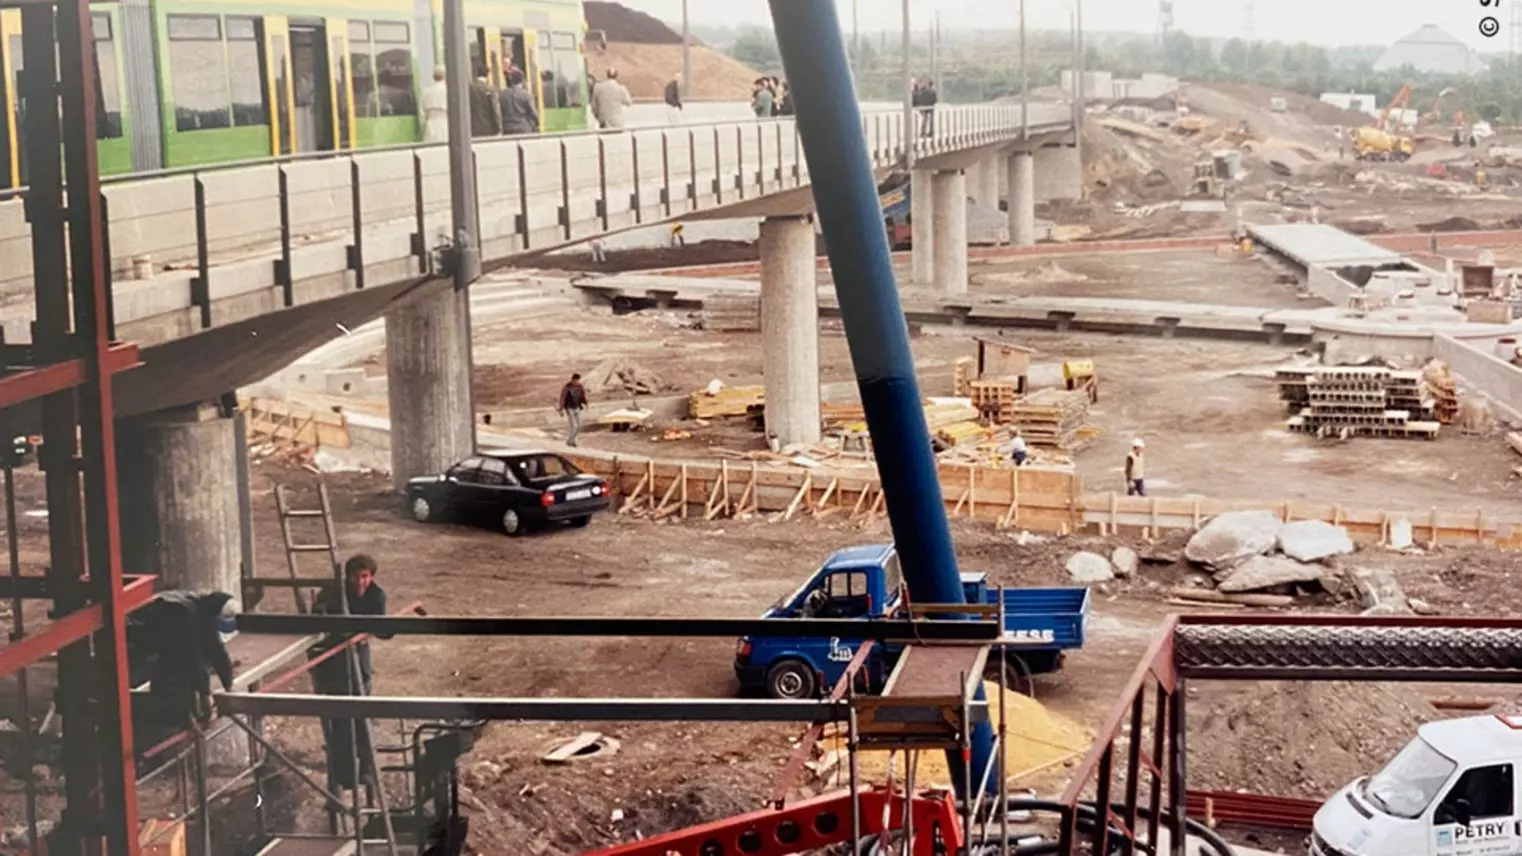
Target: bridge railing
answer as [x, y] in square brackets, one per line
[229, 230]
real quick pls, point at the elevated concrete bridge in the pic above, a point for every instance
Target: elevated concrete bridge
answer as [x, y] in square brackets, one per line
[226, 276]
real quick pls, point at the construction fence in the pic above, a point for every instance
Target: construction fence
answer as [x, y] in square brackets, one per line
[1038, 499]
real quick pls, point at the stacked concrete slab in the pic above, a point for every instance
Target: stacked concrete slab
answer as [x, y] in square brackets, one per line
[1350, 401]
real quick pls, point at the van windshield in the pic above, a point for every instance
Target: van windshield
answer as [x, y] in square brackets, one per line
[1410, 782]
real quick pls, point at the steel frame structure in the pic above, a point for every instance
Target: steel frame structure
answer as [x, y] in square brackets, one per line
[68, 369]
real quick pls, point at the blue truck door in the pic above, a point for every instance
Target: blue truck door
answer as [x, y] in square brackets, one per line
[843, 594]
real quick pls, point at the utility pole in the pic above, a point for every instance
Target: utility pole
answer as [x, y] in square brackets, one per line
[856, 44]
[686, 55]
[940, 82]
[462, 177]
[1025, 83]
[911, 129]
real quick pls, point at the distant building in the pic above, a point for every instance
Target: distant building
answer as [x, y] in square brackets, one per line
[1351, 101]
[1431, 50]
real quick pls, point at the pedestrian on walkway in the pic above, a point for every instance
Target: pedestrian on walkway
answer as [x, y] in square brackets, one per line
[674, 100]
[573, 400]
[762, 98]
[519, 114]
[436, 109]
[1136, 469]
[485, 111]
[677, 238]
[609, 98]
[785, 106]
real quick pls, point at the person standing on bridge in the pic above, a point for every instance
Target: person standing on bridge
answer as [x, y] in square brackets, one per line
[761, 99]
[609, 98]
[436, 109]
[573, 400]
[519, 115]
[674, 100]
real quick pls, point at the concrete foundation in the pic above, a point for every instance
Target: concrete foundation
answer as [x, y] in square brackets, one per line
[1022, 199]
[922, 217]
[428, 385]
[790, 329]
[951, 232]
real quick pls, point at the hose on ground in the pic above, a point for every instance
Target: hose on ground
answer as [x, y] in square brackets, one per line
[1214, 845]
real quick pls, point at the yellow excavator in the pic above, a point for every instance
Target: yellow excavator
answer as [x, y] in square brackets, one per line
[1380, 142]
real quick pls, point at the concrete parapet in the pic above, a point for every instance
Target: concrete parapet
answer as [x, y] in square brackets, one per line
[1475, 362]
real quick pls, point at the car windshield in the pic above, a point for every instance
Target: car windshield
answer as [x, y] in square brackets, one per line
[1411, 781]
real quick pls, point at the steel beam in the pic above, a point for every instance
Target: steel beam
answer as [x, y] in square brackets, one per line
[69, 629]
[42, 588]
[28, 383]
[543, 709]
[880, 631]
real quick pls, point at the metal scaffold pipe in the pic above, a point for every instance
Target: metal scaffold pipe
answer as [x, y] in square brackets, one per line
[845, 195]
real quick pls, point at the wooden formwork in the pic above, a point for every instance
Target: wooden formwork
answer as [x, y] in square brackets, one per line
[286, 425]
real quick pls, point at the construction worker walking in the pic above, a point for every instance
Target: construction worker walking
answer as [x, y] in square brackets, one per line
[1136, 469]
[573, 400]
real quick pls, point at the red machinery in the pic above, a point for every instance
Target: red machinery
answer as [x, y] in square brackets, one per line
[809, 825]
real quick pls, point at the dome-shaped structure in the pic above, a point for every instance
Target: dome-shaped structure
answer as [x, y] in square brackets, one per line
[1431, 50]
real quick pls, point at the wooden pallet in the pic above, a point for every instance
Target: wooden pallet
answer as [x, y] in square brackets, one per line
[731, 401]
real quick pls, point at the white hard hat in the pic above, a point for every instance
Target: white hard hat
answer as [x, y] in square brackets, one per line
[1138, 444]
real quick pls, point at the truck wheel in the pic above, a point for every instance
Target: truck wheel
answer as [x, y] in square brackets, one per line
[791, 680]
[1016, 673]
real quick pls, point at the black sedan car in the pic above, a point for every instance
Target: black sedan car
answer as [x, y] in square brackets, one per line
[513, 490]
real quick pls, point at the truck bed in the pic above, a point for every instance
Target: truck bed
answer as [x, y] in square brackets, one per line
[1051, 618]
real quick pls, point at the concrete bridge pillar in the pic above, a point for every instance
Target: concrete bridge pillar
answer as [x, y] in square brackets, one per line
[790, 329]
[428, 379]
[922, 220]
[179, 497]
[951, 232]
[983, 183]
[1022, 199]
[1059, 173]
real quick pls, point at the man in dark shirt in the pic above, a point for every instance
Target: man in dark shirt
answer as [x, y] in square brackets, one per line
[674, 100]
[366, 597]
[485, 110]
[519, 115]
[573, 400]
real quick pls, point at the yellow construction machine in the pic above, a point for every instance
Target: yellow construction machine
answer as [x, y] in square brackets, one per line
[1380, 142]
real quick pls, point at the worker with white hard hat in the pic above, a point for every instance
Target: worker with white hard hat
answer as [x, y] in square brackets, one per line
[1136, 469]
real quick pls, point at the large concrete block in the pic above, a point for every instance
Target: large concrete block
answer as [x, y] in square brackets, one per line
[320, 197]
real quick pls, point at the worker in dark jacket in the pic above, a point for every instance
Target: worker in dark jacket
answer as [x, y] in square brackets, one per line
[674, 100]
[366, 597]
[334, 677]
[573, 400]
[175, 642]
[519, 115]
[485, 110]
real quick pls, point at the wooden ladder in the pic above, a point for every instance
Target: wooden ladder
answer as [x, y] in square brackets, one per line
[295, 548]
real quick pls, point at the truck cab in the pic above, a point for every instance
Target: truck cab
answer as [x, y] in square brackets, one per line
[1452, 791]
[866, 583]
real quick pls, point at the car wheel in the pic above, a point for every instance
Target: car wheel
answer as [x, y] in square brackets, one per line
[791, 680]
[582, 521]
[424, 511]
[512, 522]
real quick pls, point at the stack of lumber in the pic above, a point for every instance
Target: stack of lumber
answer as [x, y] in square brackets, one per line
[1349, 401]
[731, 314]
[729, 401]
[617, 374]
[1053, 418]
[941, 413]
[966, 368]
[996, 398]
[836, 415]
[962, 433]
[1444, 391]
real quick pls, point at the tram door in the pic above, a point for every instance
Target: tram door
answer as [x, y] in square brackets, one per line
[311, 89]
[11, 142]
[343, 83]
[488, 43]
[533, 71]
[277, 83]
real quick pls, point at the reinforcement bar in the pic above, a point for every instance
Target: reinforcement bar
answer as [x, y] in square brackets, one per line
[1379, 652]
[384, 626]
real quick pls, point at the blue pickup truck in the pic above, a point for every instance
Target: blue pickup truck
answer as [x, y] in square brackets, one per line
[866, 583]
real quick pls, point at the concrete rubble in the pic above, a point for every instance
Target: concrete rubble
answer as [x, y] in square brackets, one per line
[1088, 567]
[1313, 540]
[1125, 561]
[1379, 593]
[1266, 572]
[1233, 538]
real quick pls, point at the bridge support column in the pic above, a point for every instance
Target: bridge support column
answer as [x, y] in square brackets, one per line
[983, 183]
[790, 329]
[1022, 199]
[428, 380]
[1060, 173]
[951, 232]
[922, 221]
[179, 506]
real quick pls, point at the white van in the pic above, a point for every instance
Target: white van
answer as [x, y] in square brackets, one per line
[1452, 791]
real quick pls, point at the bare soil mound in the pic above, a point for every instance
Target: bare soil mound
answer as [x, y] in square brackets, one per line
[1301, 739]
[623, 24]
[646, 69]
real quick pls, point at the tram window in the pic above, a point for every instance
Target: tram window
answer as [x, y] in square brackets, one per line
[393, 69]
[362, 58]
[198, 72]
[547, 74]
[568, 70]
[246, 73]
[108, 93]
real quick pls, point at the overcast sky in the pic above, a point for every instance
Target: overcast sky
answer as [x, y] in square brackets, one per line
[1327, 22]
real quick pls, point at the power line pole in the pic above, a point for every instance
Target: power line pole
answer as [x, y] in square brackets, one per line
[686, 55]
[911, 131]
[462, 178]
[856, 43]
[1249, 26]
[1025, 83]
